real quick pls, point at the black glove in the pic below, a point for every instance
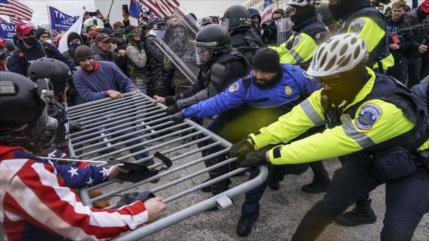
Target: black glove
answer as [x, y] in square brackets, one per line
[172, 109]
[170, 100]
[178, 117]
[144, 196]
[75, 126]
[241, 148]
[138, 172]
[255, 158]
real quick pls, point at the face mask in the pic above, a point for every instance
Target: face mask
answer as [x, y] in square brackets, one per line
[74, 45]
[29, 41]
[49, 41]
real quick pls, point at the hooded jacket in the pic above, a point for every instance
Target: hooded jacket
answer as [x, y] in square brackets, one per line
[22, 57]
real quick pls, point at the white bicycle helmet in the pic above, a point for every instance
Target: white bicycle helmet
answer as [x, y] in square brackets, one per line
[338, 54]
[303, 3]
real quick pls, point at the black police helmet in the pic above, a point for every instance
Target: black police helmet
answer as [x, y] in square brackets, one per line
[56, 71]
[343, 8]
[237, 16]
[215, 33]
[20, 103]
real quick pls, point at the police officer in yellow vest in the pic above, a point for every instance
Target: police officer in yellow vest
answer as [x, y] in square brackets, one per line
[372, 123]
[308, 34]
[360, 17]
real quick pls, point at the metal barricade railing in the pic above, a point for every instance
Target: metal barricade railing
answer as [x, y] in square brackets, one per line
[135, 129]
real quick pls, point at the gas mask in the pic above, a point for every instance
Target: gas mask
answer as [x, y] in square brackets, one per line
[43, 131]
[45, 128]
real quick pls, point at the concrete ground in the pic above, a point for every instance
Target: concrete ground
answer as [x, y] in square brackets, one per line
[281, 212]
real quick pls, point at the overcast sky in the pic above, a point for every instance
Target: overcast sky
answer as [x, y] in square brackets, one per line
[74, 7]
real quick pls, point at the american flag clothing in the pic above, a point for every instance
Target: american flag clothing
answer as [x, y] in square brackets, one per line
[16, 11]
[36, 202]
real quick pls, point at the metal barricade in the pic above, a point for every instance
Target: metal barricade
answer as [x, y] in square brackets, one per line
[135, 129]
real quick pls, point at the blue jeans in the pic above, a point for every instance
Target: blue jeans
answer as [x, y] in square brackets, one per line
[407, 200]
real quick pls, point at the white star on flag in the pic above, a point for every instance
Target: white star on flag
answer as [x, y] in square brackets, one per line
[105, 172]
[90, 181]
[73, 172]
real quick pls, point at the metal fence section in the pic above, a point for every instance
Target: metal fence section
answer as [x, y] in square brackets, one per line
[135, 129]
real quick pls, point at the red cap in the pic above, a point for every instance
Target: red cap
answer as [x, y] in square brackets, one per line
[425, 6]
[24, 29]
[2, 43]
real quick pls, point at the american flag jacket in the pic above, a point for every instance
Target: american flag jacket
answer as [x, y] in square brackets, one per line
[37, 202]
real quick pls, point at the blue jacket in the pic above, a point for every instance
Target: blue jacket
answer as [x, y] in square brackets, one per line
[107, 76]
[294, 86]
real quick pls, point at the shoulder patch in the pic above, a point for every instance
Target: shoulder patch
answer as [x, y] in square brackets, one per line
[234, 87]
[368, 116]
[357, 25]
[288, 90]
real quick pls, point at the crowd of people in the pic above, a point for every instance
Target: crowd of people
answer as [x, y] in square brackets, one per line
[315, 82]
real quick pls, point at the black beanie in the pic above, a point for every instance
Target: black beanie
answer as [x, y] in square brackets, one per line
[266, 60]
[41, 31]
[82, 52]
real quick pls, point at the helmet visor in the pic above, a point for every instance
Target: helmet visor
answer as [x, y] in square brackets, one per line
[204, 51]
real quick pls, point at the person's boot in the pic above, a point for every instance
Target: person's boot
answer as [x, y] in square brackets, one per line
[245, 224]
[208, 189]
[318, 185]
[361, 214]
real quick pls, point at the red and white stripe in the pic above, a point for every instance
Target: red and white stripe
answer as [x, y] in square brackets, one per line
[266, 13]
[161, 8]
[16, 11]
[37, 196]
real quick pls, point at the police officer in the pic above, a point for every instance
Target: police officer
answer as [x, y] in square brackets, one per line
[219, 64]
[34, 192]
[360, 17]
[244, 37]
[308, 34]
[250, 103]
[373, 125]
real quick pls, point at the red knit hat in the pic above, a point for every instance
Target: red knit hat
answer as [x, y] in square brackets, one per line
[425, 6]
[24, 29]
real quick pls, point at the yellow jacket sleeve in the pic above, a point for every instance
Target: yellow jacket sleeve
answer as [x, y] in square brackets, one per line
[352, 136]
[291, 125]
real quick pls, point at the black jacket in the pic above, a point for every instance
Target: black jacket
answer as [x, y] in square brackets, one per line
[400, 31]
[420, 26]
[160, 80]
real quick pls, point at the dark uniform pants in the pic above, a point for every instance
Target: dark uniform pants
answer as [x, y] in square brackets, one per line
[276, 174]
[407, 200]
